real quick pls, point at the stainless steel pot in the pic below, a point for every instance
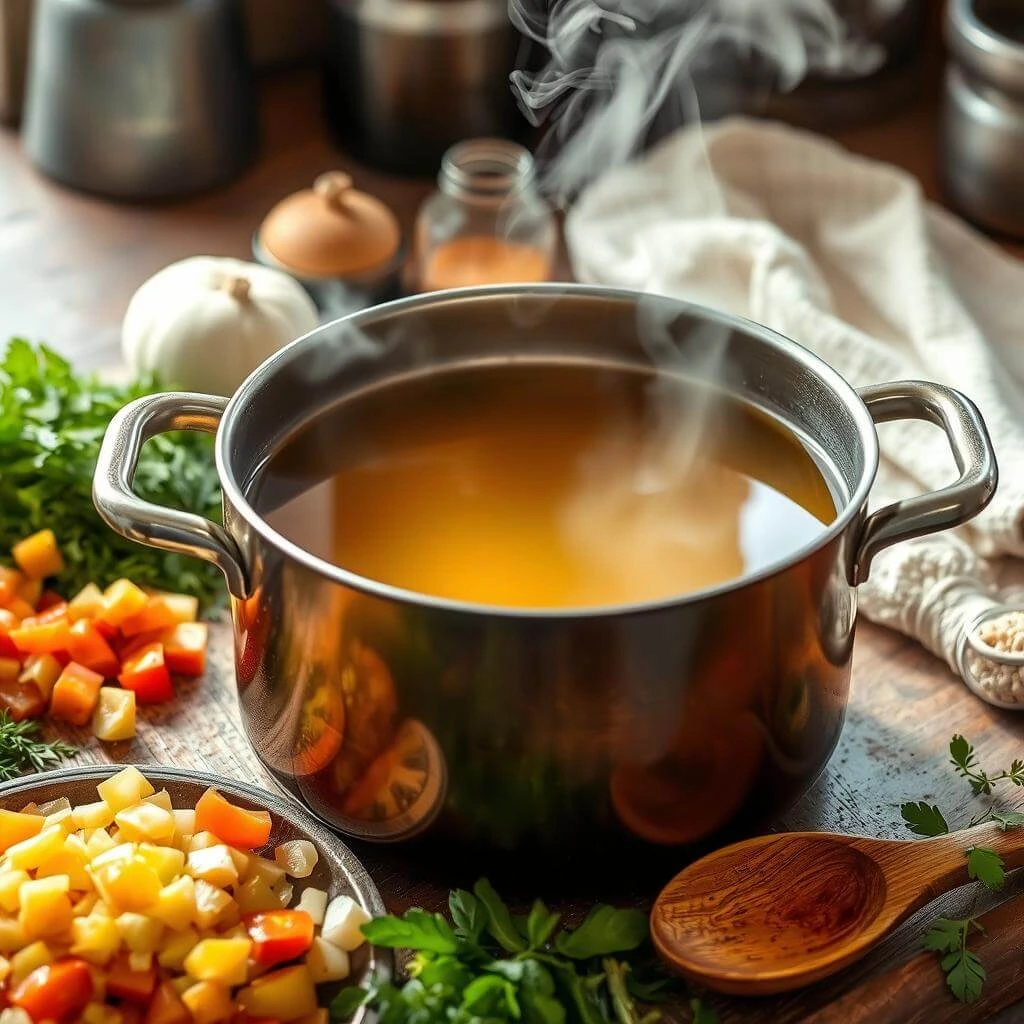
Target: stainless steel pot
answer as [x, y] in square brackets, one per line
[388, 712]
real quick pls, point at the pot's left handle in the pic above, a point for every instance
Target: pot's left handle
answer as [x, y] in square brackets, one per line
[155, 525]
[939, 510]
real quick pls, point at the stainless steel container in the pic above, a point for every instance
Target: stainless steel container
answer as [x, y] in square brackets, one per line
[982, 159]
[665, 722]
[405, 79]
[139, 99]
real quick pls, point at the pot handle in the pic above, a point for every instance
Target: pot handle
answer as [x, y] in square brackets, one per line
[155, 525]
[938, 510]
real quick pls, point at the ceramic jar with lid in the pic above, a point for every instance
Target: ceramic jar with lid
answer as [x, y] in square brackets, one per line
[345, 246]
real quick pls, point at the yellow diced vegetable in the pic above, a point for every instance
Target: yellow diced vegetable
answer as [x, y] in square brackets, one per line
[140, 961]
[45, 906]
[95, 938]
[5, 969]
[42, 670]
[10, 883]
[161, 799]
[202, 841]
[16, 828]
[214, 865]
[176, 947]
[260, 867]
[129, 885]
[12, 937]
[241, 860]
[140, 933]
[222, 960]
[97, 815]
[208, 1002]
[70, 862]
[212, 904]
[38, 556]
[85, 904]
[27, 959]
[256, 895]
[86, 604]
[30, 853]
[101, 1013]
[145, 822]
[114, 717]
[313, 902]
[100, 842]
[285, 994]
[298, 857]
[127, 787]
[176, 904]
[166, 861]
[327, 962]
[184, 821]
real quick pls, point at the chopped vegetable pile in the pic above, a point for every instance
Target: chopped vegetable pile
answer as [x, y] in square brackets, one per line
[52, 423]
[56, 655]
[131, 911]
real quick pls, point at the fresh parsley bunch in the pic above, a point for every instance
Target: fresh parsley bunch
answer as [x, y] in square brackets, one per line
[491, 967]
[52, 423]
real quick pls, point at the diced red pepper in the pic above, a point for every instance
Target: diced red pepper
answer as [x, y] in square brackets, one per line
[21, 700]
[279, 935]
[57, 991]
[145, 673]
[87, 646]
[125, 983]
[49, 599]
[41, 635]
[10, 581]
[248, 830]
[75, 694]
[185, 648]
[8, 621]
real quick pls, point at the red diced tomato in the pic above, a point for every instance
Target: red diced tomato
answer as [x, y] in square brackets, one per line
[145, 673]
[185, 648]
[21, 700]
[57, 991]
[279, 935]
[49, 599]
[87, 646]
[248, 830]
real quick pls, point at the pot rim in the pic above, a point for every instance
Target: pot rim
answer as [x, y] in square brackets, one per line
[235, 497]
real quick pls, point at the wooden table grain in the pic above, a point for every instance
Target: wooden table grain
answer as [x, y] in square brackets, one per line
[69, 263]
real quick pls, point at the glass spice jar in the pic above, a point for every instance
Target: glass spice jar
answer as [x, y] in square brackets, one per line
[486, 223]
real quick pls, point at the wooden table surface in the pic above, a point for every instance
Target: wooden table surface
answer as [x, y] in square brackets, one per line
[68, 264]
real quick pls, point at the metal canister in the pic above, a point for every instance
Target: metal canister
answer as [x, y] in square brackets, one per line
[982, 152]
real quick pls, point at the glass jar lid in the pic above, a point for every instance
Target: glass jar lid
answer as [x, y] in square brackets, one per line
[330, 230]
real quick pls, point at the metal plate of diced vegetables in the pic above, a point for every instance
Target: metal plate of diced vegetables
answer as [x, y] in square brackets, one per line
[145, 895]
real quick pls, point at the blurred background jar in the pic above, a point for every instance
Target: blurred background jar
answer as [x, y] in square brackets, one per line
[486, 223]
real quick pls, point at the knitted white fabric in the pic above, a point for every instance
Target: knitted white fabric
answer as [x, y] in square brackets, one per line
[845, 256]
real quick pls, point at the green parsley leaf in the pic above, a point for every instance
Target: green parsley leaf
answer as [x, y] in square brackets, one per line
[702, 1013]
[604, 930]
[986, 866]
[499, 918]
[924, 819]
[943, 936]
[540, 924]
[964, 975]
[347, 1001]
[468, 915]
[415, 929]
[1008, 820]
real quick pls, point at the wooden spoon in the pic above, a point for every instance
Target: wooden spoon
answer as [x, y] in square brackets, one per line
[781, 911]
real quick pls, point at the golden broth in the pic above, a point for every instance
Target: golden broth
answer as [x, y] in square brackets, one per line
[546, 486]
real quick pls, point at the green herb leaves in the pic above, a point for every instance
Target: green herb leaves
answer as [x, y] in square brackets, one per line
[924, 819]
[964, 972]
[963, 758]
[52, 423]
[22, 750]
[490, 967]
[986, 866]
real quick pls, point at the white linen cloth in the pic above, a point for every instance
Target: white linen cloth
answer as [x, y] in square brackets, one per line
[845, 256]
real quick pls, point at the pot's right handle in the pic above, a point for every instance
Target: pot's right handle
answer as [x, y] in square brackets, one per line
[938, 510]
[155, 525]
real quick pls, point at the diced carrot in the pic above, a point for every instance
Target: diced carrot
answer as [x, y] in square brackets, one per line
[10, 668]
[54, 613]
[122, 600]
[75, 694]
[279, 935]
[88, 647]
[145, 673]
[185, 648]
[20, 608]
[167, 1008]
[10, 580]
[125, 983]
[57, 991]
[21, 700]
[38, 556]
[31, 591]
[45, 637]
[161, 612]
[231, 824]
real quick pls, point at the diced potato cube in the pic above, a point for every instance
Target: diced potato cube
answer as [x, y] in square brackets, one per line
[214, 865]
[114, 717]
[284, 994]
[202, 841]
[222, 960]
[71, 862]
[10, 883]
[212, 904]
[313, 902]
[129, 885]
[86, 604]
[166, 861]
[140, 961]
[43, 671]
[343, 922]
[327, 962]
[100, 1013]
[263, 868]
[27, 959]
[45, 906]
[176, 947]
[161, 798]
[121, 600]
[95, 938]
[256, 895]
[97, 815]
[119, 852]
[127, 787]
[208, 1002]
[62, 818]
[176, 904]
[145, 822]
[139, 933]
[284, 893]
[16, 828]
[298, 857]
[100, 842]
[185, 821]
[12, 937]
[85, 904]
[30, 853]
[241, 860]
